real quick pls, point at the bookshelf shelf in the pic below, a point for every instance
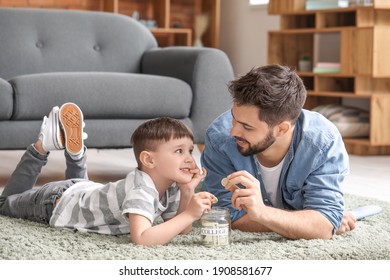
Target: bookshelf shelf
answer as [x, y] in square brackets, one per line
[355, 42]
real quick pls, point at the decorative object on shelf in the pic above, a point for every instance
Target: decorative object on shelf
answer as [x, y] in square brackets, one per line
[200, 26]
[135, 15]
[350, 121]
[149, 23]
[304, 64]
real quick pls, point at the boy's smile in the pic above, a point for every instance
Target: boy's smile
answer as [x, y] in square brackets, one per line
[186, 170]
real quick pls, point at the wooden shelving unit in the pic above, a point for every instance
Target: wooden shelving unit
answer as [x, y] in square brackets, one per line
[363, 33]
[175, 19]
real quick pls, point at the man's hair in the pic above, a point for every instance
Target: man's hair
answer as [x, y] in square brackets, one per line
[150, 134]
[276, 90]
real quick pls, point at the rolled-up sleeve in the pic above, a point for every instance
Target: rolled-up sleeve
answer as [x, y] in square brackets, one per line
[320, 189]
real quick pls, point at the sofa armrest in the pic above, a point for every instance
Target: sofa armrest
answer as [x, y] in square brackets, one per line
[206, 70]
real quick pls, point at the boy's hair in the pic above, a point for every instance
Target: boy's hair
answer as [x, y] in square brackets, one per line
[150, 134]
[276, 90]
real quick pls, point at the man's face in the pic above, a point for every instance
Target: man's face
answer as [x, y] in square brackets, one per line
[252, 135]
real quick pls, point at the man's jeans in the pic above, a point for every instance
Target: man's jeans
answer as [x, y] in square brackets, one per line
[20, 200]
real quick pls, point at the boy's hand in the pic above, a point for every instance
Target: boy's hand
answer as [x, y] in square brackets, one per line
[199, 203]
[196, 179]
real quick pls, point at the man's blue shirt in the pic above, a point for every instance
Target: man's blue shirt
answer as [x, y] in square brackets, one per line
[314, 167]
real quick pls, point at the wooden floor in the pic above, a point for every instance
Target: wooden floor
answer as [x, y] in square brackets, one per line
[370, 175]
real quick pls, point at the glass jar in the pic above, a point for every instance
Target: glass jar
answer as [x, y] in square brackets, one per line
[216, 227]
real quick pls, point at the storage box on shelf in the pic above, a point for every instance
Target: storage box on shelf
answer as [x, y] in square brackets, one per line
[174, 19]
[362, 34]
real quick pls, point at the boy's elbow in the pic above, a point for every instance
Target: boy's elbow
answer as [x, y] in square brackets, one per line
[140, 241]
[148, 242]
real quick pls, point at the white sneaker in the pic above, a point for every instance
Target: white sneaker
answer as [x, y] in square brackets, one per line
[51, 134]
[71, 120]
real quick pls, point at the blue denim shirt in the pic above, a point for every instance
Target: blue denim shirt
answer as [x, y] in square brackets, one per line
[314, 167]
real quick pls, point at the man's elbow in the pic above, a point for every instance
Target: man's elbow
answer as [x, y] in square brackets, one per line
[325, 235]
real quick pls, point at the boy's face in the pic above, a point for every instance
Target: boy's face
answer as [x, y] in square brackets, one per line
[174, 160]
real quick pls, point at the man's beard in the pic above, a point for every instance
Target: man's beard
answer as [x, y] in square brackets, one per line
[259, 147]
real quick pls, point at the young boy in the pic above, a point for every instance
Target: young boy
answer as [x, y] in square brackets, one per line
[163, 184]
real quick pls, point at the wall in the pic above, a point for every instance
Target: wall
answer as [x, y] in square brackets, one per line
[243, 36]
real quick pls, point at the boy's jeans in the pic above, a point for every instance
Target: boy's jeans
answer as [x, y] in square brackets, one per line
[20, 200]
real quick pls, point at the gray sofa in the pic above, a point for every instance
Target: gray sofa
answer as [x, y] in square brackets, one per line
[111, 66]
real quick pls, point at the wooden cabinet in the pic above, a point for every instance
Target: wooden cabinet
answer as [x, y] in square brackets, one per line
[176, 20]
[361, 44]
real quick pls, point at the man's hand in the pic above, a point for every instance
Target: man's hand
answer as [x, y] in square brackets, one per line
[348, 223]
[248, 198]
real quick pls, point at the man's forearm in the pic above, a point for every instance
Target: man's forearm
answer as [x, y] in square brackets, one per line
[304, 224]
[245, 224]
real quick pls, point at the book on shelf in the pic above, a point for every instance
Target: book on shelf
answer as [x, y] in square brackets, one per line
[361, 2]
[326, 67]
[326, 4]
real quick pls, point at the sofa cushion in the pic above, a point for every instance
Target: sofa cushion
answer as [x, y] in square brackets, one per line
[5, 100]
[102, 95]
[47, 40]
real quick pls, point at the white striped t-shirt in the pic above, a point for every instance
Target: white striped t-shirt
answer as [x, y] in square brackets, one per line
[93, 207]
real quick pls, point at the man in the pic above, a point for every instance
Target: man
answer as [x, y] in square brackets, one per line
[287, 162]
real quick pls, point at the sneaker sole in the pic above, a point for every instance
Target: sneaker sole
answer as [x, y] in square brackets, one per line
[71, 119]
